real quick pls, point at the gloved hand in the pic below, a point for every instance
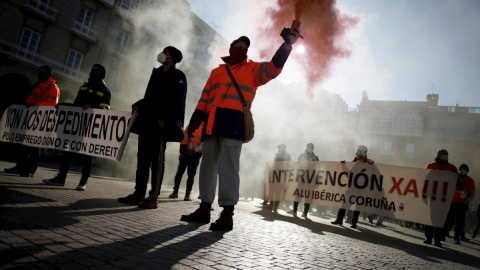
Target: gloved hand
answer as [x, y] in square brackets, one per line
[289, 36]
[190, 152]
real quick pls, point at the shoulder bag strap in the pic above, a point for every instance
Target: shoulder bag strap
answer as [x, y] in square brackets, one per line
[242, 99]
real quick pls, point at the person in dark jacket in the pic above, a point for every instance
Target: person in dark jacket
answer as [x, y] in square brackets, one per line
[162, 113]
[309, 156]
[223, 134]
[92, 94]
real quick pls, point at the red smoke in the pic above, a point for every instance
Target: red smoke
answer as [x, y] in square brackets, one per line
[322, 27]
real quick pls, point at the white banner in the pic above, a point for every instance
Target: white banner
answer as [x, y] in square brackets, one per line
[94, 132]
[417, 195]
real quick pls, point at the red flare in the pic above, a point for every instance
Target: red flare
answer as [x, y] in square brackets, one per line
[322, 26]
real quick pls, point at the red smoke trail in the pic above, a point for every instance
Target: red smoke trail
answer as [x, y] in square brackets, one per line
[322, 27]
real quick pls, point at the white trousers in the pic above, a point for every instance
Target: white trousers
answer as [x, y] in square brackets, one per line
[221, 157]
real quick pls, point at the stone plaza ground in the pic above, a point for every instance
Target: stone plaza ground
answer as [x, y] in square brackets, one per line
[49, 227]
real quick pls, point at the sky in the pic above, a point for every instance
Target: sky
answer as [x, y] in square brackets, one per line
[398, 50]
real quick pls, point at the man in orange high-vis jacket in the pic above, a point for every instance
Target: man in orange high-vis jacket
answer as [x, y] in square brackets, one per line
[223, 133]
[440, 163]
[190, 155]
[45, 92]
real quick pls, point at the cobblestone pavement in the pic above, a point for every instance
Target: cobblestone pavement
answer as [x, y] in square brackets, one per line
[45, 227]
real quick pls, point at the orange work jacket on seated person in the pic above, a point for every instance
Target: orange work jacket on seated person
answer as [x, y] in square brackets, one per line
[46, 93]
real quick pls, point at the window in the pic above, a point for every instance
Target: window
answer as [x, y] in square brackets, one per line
[410, 150]
[131, 4]
[85, 18]
[29, 41]
[473, 110]
[74, 60]
[122, 42]
[83, 22]
[113, 76]
[42, 4]
[387, 148]
[451, 109]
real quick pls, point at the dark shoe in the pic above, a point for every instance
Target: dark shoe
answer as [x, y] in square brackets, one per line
[380, 225]
[442, 238]
[457, 241]
[370, 219]
[58, 180]
[187, 198]
[437, 244]
[25, 174]
[132, 199]
[428, 241]
[14, 170]
[201, 215]
[149, 203]
[174, 195]
[224, 222]
[337, 222]
[354, 226]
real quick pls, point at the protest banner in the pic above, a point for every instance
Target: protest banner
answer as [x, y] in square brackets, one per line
[94, 132]
[412, 194]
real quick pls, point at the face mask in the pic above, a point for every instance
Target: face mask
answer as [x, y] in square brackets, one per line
[463, 172]
[161, 57]
[237, 55]
[358, 154]
[444, 157]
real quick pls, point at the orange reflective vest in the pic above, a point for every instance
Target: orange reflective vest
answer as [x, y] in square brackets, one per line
[46, 93]
[192, 142]
[220, 100]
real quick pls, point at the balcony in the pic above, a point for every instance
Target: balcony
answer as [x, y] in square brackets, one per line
[35, 59]
[84, 31]
[42, 9]
[108, 3]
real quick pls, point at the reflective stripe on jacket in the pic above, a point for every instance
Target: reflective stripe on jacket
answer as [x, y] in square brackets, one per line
[97, 95]
[220, 100]
[192, 142]
[46, 93]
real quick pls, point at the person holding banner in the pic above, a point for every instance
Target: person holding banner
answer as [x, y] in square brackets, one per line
[160, 119]
[440, 163]
[45, 92]
[92, 94]
[281, 155]
[224, 130]
[190, 155]
[309, 156]
[464, 194]
[360, 156]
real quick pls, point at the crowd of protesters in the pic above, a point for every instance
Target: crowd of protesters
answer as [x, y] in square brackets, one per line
[213, 139]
